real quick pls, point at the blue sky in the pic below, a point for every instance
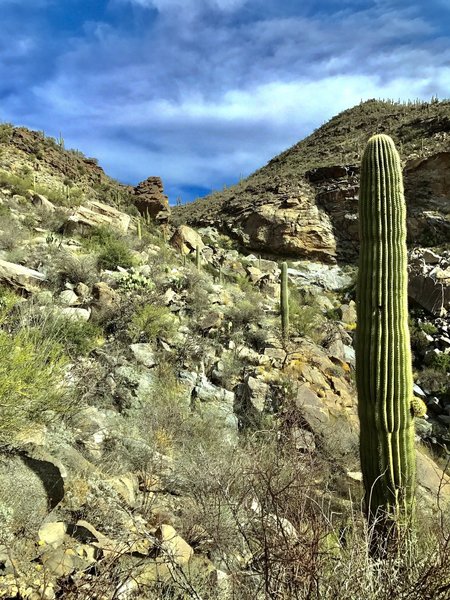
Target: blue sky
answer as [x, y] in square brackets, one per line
[203, 92]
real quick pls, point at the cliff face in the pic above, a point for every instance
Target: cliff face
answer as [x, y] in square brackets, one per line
[304, 202]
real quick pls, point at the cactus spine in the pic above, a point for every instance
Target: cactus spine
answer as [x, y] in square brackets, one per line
[383, 356]
[284, 301]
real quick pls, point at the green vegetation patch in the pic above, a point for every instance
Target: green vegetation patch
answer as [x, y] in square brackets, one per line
[113, 250]
[31, 381]
[152, 322]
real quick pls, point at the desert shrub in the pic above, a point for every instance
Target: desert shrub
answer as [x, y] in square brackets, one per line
[8, 300]
[246, 311]
[151, 322]
[115, 254]
[11, 234]
[77, 337]
[31, 381]
[419, 342]
[305, 318]
[231, 369]
[6, 131]
[433, 380]
[52, 221]
[429, 328]
[112, 249]
[73, 268]
[439, 362]
[16, 183]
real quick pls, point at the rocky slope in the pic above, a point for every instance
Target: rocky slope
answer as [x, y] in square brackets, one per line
[303, 203]
[29, 160]
[159, 438]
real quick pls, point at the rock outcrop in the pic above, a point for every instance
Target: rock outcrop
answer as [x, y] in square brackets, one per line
[303, 203]
[186, 240]
[429, 281]
[19, 277]
[97, 214]
[149, 199]
[316, 217]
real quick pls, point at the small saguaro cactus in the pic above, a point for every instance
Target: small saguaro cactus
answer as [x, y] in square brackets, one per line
[198, 259]
[284, 301]
[139, 229]
[383, 355]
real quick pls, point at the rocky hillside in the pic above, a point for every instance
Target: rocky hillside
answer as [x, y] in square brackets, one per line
[159, 438]
[32, 163]
[303, 203]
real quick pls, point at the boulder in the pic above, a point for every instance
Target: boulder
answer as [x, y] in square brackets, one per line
[103, 296]
[69, 298]
[186, 239]
[52, 533]
[20, 277]
[432, 482]
[76, 314]
[97, 214]
[42, 202]
[144, 354]
[29, 489]
[430, 293]
[172, 547]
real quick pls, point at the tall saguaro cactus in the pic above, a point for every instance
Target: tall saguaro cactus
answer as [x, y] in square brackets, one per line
[383, 355]
[284, 301]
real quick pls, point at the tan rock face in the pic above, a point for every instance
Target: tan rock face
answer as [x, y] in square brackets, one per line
[427, 190]
[186, 239]
[284, 219]
[97, 214]
[315, 215]
[300, 231]
[149, 198]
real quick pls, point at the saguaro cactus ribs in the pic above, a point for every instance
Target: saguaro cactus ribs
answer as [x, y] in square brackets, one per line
[383, 356]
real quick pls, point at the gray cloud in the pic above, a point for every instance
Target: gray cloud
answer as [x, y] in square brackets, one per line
[215, 92]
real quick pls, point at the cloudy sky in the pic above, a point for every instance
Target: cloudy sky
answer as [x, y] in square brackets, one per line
[202, 92]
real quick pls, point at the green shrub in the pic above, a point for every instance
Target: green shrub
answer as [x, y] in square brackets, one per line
[74, 268]
[428, 328]
[305, 318]
[433, 380]
[31, 381]
[113, 250]
[115, 254]
[77, 337]
[152, 322]
[11, 234]
[17, 184]
[439, 362]
[245, 312]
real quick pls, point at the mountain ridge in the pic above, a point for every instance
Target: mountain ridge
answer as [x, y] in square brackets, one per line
[297, 194]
